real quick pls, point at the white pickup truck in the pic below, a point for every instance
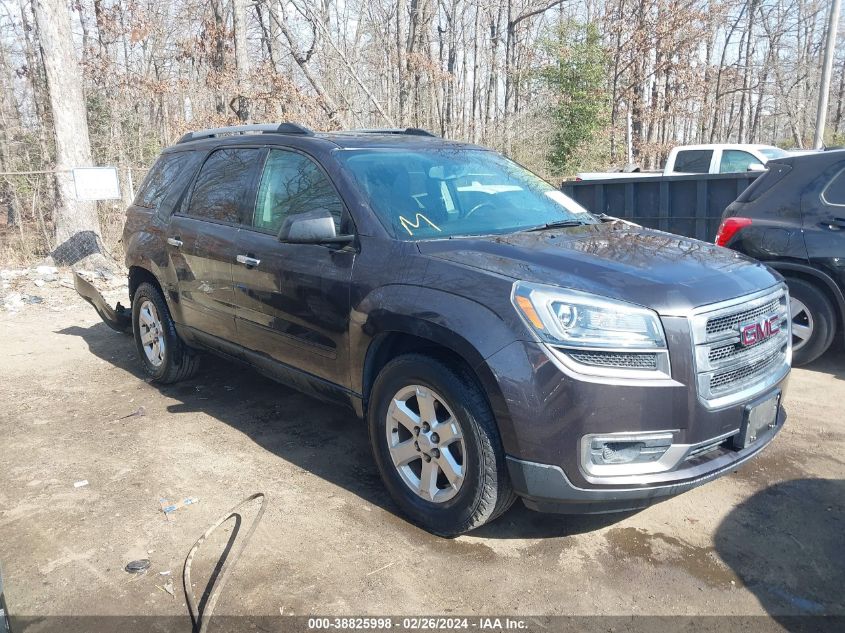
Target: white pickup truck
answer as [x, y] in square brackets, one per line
[717, 158]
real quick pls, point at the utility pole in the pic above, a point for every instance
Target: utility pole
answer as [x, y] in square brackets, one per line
[827, 69]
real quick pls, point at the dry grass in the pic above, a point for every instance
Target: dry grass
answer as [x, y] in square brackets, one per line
[30, 241]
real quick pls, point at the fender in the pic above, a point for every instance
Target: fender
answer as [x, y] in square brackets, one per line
[145, 249]
[810, 271]
[436, 316]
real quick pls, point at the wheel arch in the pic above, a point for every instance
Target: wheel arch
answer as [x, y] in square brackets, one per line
[820, 279]
[438, 343]
[403, 319]
[139, 275]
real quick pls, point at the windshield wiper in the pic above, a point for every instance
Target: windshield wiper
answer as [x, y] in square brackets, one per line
[606, 218]
[555, 225]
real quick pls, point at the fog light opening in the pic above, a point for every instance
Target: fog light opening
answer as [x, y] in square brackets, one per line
[605, 451]
[621, 452]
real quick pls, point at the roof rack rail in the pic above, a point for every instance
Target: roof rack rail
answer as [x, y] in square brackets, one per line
[412, 131]
[258, 128]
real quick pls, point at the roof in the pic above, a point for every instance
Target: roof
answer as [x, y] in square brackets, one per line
[819, 158]
[757, 146]
[347, 139]
[355, 139]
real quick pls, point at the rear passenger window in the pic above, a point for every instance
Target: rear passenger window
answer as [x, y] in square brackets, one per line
[160, 178]
[225, 185]
[693, 161]
[291, 184]
[834, 193]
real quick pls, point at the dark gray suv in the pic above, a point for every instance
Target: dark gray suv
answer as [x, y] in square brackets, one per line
[499, 340]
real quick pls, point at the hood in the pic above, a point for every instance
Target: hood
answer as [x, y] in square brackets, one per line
[661, 271]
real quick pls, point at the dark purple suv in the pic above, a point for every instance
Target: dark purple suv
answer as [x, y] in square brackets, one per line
[499, 340]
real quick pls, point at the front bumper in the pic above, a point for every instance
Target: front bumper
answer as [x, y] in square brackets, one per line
[546, 487]
[544, 415]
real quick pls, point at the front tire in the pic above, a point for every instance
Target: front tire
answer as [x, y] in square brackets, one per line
[435, 441]
[164, 356]
[813, 321]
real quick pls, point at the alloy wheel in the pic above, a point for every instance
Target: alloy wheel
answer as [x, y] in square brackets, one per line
[426, 443]
[802, 323]
[152, 333]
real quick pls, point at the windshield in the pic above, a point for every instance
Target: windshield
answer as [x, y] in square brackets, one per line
[773, 152]
[444, 192]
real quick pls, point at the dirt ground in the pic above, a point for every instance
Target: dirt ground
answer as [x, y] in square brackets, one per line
[766, 540]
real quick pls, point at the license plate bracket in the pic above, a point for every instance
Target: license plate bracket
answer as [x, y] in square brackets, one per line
[758, 419]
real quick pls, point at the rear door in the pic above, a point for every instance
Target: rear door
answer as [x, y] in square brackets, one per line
[293, 300]
[202, 236]
[824, 223]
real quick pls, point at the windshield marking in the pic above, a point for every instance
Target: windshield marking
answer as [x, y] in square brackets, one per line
[405, 222]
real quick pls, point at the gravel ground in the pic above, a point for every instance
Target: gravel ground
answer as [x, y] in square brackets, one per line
[766, 540]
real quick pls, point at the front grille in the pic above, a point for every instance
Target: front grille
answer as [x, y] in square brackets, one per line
[735, 352]
[625, 360]
[729, 323]
[736, 377]
[728, 371]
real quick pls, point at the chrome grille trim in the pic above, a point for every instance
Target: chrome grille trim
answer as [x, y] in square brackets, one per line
[727, 379]
[728, 372]
[625, 360]
[725, 325]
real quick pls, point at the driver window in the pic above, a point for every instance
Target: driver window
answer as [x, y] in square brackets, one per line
[734, 160]
[292, 183]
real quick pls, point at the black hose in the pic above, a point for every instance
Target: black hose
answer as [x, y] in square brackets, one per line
[218, 579]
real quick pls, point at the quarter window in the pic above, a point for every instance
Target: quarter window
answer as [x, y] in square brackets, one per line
[834, 193]
[160, 178]
[291, 184]
[693, 161]
[224, 186]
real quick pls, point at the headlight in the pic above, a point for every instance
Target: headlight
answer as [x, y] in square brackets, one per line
[593, 335]
[568, 317]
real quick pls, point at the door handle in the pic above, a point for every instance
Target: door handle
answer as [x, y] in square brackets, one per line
[835, 224]
[249, 262]
[174, 241]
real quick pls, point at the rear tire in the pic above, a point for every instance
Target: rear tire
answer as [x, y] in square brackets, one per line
[470, 485]
[813, 321]
[164, 356]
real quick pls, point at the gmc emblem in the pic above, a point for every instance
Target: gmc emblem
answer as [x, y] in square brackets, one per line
[756, 332]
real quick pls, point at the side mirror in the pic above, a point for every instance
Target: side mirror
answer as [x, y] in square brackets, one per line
[756, 167]
[313, 227]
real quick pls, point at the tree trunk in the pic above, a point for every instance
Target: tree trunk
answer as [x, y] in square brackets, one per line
[837, 120]
[329, 105]
[745, 100]
[401, 63]
[241, 59]
[37, 78]
[77, 225]
[9, 121]
[218, 56]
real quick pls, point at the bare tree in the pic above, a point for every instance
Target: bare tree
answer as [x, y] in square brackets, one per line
[76, 223]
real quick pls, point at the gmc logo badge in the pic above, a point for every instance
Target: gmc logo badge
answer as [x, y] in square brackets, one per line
[755, 332]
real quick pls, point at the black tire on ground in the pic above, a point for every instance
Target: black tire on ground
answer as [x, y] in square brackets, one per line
[823, 319]
[179, 361]
[486, 491]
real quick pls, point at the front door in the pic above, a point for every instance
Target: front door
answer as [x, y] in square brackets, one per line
[201, 239]
[293, 300]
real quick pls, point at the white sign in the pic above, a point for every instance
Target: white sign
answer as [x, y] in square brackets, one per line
[96, 183]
